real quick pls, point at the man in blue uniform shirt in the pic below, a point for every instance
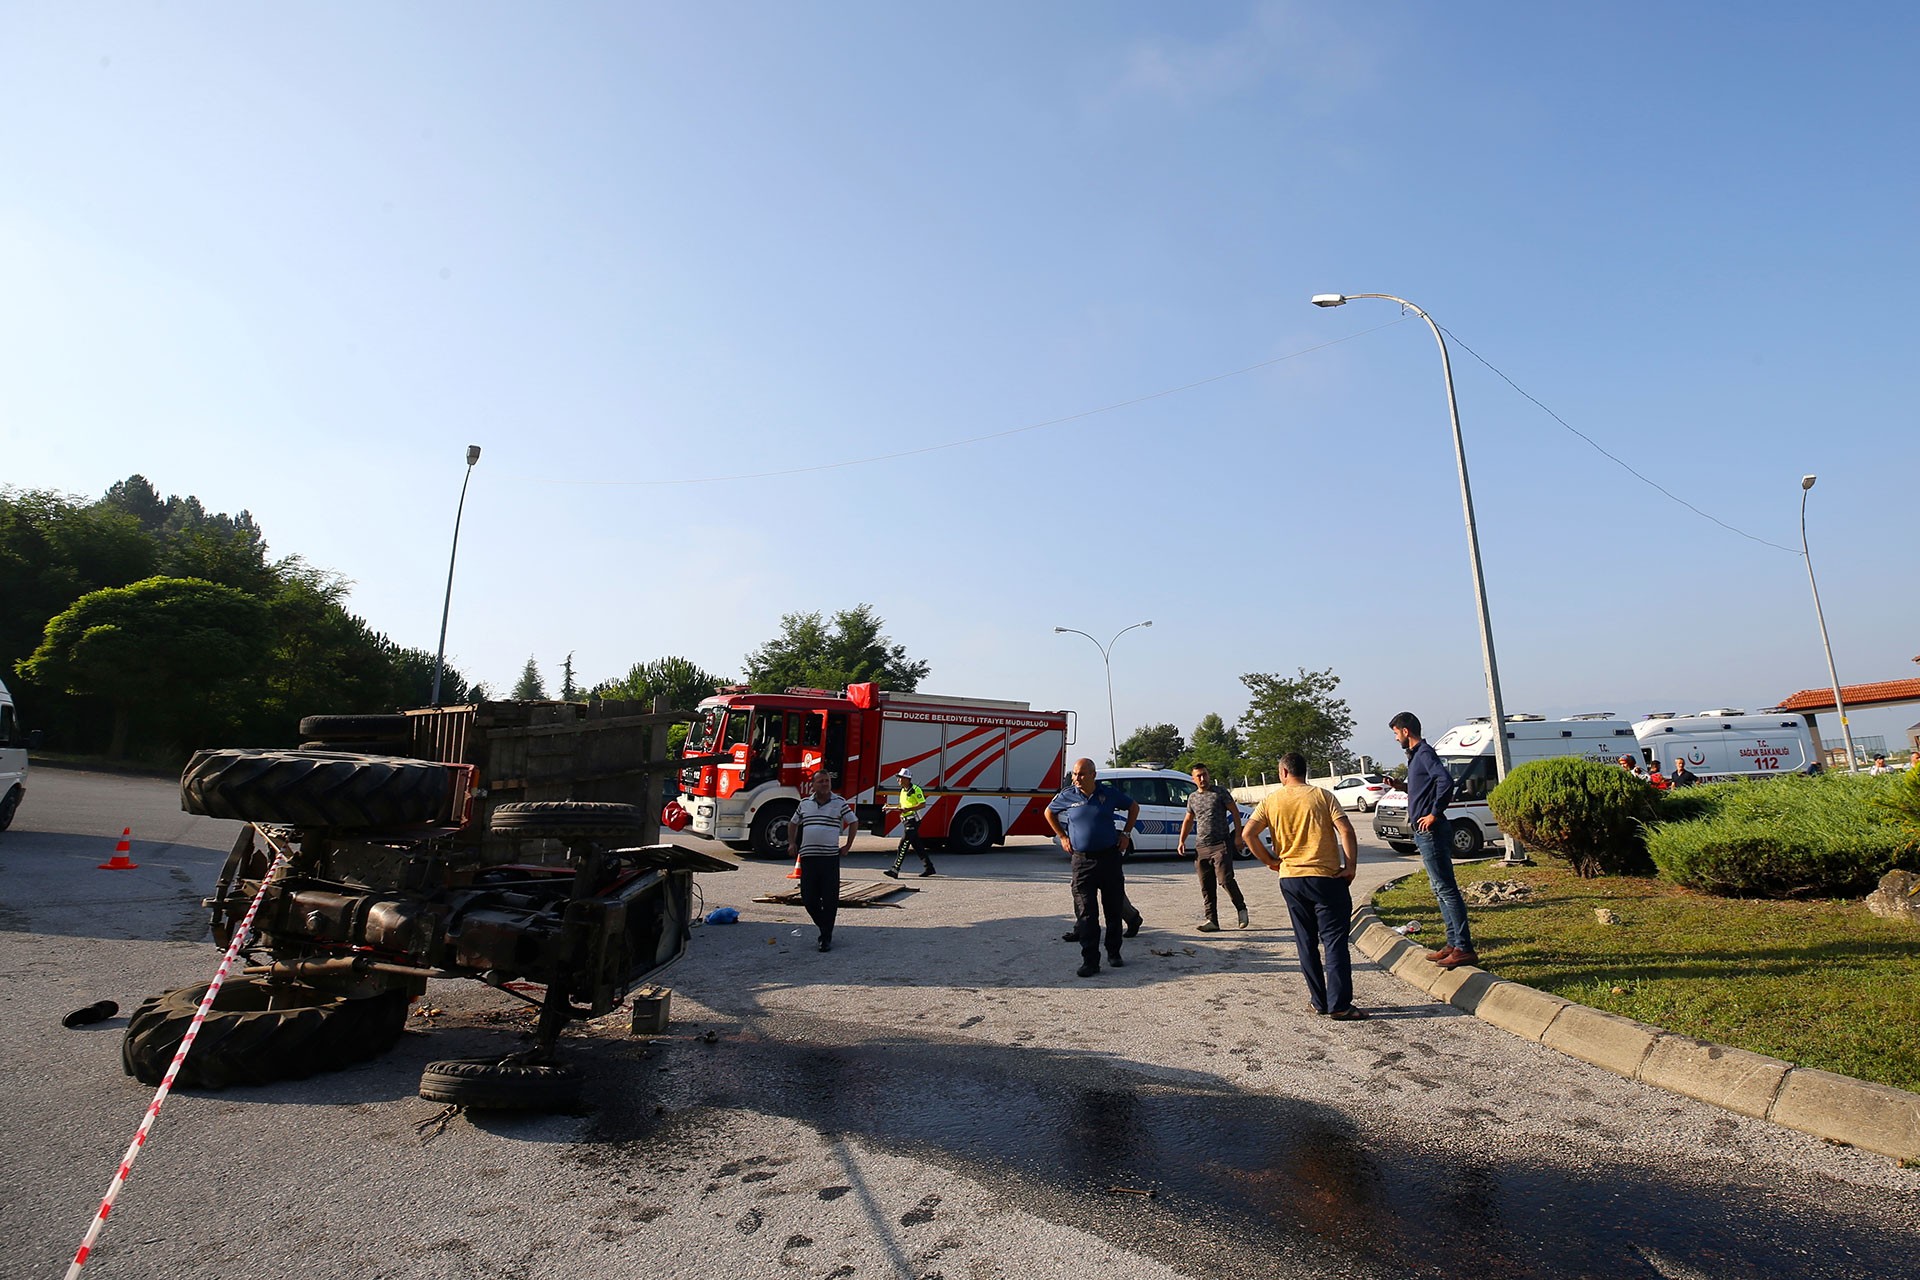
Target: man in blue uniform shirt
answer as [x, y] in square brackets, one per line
[1082, 817]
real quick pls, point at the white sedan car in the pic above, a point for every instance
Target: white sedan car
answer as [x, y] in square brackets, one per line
[1360, 791]
[1162, 797]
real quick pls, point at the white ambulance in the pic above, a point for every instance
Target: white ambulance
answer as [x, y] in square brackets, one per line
[1728, 743]
[14, 742]
[1467, 751]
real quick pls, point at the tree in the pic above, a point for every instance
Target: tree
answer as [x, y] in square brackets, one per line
[812, 653]
[53, 550]
[1296, 714]
[530, 687]
[680, 681]
[1215, 745]
[568, 689]
[1161, 743]
[174, 648]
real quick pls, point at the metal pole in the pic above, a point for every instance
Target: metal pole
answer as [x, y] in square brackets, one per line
[440, 654]
[1833, 677]
[1106, 651]
[1502, 756]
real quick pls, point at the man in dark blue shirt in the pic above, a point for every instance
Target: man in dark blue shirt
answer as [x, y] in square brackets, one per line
[1429, 789]
[1082, 817]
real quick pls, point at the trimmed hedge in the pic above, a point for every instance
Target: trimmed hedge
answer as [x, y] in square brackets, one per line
[1590, 814]
[1832, 836]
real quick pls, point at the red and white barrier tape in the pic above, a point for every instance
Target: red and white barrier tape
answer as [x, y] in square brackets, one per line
[166, 1084]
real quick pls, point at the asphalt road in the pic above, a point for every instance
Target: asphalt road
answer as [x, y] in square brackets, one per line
[939, 1096]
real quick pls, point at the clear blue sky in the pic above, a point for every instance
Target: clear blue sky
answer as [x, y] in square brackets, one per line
[294, 258]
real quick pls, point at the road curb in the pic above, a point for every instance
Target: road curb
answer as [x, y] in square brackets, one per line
[1873, 1117]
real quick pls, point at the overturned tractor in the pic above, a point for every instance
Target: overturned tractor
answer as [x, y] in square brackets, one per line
[382, 871]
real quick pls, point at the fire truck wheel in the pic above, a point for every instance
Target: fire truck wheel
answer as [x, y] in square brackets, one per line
[357, 728]
[973, 831]
[567, 820]
[316, 789]
[257, 1032]
[488, 1084]
[770, 830]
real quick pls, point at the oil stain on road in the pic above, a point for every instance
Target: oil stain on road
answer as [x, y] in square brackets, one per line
[1253, 1184]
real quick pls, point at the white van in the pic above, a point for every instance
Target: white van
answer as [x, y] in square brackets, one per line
[1727, 743]
[13, 758]
[1467, 751]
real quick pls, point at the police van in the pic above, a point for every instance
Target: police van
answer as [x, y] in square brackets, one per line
[14, 742]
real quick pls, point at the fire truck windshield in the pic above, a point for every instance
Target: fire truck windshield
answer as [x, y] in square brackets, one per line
[702, 731]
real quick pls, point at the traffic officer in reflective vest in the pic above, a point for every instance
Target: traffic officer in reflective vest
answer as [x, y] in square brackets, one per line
[912, 801]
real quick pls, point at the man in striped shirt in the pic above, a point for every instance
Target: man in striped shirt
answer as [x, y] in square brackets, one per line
[819, 835]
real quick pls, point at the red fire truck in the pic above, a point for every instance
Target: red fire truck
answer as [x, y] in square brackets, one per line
[988, 766]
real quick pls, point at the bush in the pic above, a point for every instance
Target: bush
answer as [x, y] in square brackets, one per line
[1827, 837]
[1590, 814]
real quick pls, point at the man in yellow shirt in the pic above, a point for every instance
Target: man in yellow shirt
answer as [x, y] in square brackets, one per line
[1316, 854]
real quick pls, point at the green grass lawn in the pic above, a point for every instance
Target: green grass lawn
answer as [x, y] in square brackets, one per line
[1821, 984]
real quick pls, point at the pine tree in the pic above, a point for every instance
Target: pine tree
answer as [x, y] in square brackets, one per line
[531, 688]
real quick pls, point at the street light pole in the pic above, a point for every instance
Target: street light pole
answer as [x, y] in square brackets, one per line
[1806, 483]
[1502, 756]
[440, 655]
[1106, 651]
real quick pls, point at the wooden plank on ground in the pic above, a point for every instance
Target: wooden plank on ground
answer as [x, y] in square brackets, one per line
[853, 893]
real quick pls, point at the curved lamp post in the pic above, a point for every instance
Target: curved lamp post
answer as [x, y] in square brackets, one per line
[1806, 483]
[1502, 756]
[440, 655]
[1106, 651]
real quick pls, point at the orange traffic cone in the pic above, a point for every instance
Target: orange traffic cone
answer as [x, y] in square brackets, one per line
[795, 873]
[121, 862]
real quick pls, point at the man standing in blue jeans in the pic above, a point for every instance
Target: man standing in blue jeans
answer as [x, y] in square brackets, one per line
[1429, 788]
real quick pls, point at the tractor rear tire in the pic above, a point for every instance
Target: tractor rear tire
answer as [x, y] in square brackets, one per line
[567, 820]
[245, 1041]
[488, 1084]
[357, 728]
[316, 789]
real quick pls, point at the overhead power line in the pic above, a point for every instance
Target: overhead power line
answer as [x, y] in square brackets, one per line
[1624, 466]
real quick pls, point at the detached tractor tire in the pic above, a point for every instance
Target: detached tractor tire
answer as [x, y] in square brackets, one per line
[257, 1033]
[320, 790]
[567, 820]
[973, 830]
[488, 1084]
[357, 728]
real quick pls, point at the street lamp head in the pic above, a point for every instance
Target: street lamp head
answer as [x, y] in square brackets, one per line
[1329, 299]
[1059, 631]
[473, 454]
[1806, 482]
[1147, 623]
